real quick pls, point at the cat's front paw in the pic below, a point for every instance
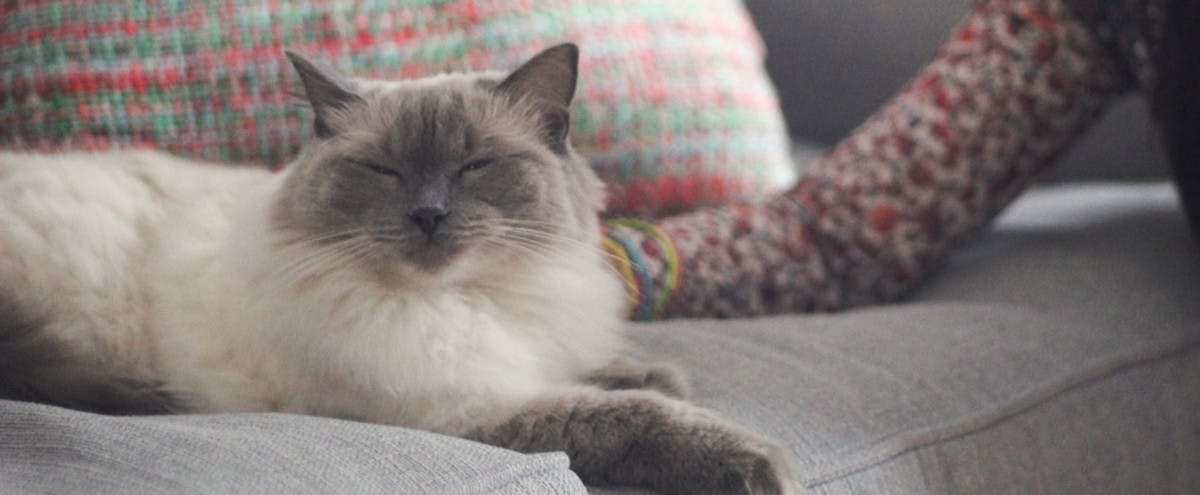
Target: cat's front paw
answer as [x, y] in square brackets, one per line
[707, 455]
[667, 380]
[754, 467]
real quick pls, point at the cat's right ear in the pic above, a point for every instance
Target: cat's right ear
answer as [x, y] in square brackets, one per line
[325, 90]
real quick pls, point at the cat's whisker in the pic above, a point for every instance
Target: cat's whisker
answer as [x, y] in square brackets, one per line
[546, 236]
[548, 241]
[298, 239]
[532, 251]
[611, 260]
[392, 238]
[526, 221]
[303, 254]
[536, 251]
[545, 244]
[312, 249]
[320, 238]
[534, 239]
[351, 255]
[348, 253]
[321, 258]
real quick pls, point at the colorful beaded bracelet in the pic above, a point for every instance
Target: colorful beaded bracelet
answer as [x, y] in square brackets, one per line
[639, 274]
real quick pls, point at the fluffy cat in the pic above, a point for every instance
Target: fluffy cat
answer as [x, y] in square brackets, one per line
[429, 260]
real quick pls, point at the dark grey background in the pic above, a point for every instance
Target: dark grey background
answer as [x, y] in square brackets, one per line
[835, 61]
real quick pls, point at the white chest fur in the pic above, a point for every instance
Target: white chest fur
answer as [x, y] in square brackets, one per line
[440, 358]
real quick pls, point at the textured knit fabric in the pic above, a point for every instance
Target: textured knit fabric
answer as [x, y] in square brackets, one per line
[1131, 31]
[1016, 83]
[1059, 353]
[55, 451]
[674, 108]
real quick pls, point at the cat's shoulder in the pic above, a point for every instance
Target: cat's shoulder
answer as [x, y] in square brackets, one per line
[142, 172]
[114, 161]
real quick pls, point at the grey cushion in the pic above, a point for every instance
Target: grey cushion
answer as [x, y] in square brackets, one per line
[54, 451]
[1057, 354]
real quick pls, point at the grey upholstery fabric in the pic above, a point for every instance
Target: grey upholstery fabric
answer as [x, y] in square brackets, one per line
[54, 451]
[835, 61]
[1058, 354]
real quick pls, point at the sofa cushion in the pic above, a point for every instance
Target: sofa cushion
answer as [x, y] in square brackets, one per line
[51, 450]
[1059, 353]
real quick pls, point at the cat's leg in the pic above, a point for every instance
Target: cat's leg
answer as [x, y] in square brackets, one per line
[627, 374]
[642, 438]
[1011, 89]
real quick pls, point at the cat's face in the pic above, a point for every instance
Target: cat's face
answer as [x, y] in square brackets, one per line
[443, 176]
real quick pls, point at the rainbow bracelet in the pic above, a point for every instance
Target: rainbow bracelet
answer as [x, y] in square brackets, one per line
[636, 270]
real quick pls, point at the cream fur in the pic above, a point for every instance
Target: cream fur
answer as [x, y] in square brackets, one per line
[162, 268]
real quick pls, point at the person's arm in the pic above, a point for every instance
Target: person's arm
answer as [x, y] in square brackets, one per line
[1013, 87]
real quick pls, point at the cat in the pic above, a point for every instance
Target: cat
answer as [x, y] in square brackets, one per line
[429, 260]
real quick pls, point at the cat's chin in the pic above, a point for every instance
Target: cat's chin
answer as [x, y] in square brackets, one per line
[430, 266]
[448, 266]
[432, 259]
[409, 276]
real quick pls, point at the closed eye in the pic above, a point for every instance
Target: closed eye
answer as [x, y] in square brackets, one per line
[379, 169]
[475, 165]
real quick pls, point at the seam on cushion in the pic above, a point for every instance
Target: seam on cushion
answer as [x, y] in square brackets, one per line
[901, 443]
[524, 480]
[486, 483]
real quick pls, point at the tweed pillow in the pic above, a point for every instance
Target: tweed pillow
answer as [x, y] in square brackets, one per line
[674, 108]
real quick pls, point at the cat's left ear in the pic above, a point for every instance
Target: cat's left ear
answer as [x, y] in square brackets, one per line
[325, 90]
[548, 81]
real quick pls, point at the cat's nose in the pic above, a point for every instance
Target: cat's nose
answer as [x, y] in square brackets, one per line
[428, 218]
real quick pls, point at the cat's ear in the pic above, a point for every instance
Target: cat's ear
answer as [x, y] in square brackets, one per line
[548, 81]
[325, 90]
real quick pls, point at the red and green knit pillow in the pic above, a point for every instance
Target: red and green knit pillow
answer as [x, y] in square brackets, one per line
[674, 108]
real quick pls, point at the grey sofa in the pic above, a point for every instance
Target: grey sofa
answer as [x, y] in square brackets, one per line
[1058, 352]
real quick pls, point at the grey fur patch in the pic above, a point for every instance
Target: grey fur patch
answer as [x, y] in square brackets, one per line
[325, 90]
[548, 80]
[36, 368]
[458, 140]
[549, 76]
[626, 374]
[642, 438]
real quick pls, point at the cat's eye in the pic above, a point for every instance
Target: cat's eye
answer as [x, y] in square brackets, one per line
[381, 170]
[475, 165]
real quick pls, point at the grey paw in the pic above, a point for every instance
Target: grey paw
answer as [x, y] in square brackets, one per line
[722, 459]
[624, 374]
[759, 468]
[666, 379]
